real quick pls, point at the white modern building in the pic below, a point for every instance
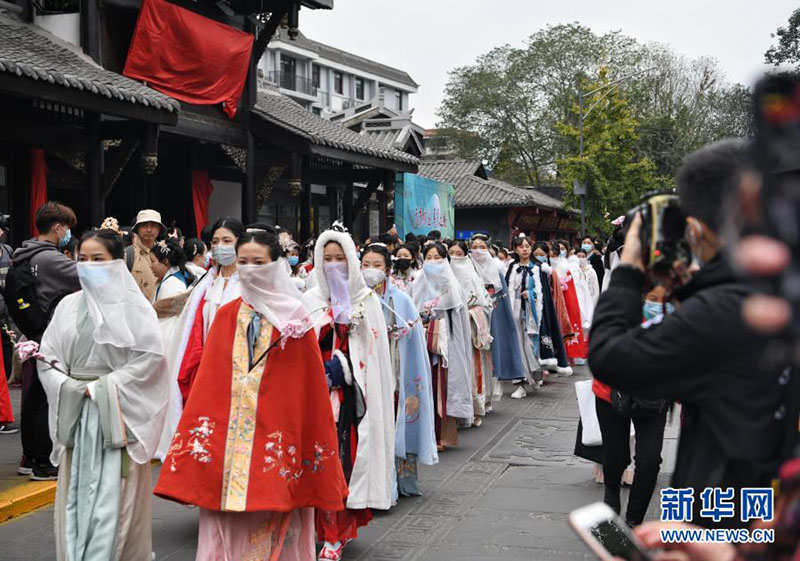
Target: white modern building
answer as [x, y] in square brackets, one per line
[327, 80]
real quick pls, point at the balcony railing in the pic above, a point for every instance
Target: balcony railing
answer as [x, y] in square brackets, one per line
[293, 82]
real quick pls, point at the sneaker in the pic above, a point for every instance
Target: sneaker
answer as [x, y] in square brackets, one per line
[44, 471]
[10, 428]
[25, 466]
[519, 393]
[331, 551]
[565, 371]
[477, 421]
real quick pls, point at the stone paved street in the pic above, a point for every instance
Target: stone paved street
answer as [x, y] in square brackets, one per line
[504, 494]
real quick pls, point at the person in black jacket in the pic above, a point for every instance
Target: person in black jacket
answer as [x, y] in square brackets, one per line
[704, 355]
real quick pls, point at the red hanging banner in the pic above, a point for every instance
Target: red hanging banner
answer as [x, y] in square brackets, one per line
[189, 57]
[201, 193]
[38, 185]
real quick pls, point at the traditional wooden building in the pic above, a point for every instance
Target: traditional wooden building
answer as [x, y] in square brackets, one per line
[112, 145]
[488, 205]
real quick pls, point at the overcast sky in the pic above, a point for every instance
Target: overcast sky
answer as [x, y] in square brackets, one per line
[427, 38]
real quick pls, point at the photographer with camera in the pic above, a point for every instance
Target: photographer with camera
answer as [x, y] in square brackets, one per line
[703, 355]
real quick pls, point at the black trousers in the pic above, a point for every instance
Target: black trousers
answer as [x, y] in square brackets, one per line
[34, 431]
[616, 430]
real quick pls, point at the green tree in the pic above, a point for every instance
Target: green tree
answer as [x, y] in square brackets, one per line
[788, 48]
[612, 166]
[503, 108]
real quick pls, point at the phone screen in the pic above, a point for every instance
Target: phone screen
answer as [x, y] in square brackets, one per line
[617, 541]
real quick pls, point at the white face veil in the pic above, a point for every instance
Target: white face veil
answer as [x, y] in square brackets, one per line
[469, 281]
[270, 291]
[436, 287]
[121, 314]
[486, 267]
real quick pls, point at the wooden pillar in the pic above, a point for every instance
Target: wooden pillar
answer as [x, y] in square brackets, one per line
[383, 201]
[249, 210]
[347, 202]
[90, 29]
[305, 201]
[94, 169]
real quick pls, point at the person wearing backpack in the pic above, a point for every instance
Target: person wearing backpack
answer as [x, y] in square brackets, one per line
[39, 277]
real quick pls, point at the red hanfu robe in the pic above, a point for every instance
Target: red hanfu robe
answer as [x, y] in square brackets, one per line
[577, 346]
[6, 412]
[269, 444]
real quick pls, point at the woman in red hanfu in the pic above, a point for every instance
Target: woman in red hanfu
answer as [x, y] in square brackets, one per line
[256, 447]
[355, 346]
[577, 346]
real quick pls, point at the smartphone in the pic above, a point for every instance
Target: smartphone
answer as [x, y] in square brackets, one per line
[606, 534]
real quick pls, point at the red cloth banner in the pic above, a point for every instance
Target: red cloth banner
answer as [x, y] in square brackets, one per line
[201, 194]
[189, 57]
[38, 185]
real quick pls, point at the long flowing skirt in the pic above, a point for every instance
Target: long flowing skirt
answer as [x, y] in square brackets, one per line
[91, 523]
[256, 536]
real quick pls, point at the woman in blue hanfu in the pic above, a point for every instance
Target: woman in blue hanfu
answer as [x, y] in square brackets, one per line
[415, 438]
[506, 353]
[107, 385]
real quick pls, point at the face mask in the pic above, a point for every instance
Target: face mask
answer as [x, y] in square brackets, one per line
[655, 309]
[481, 255]
[432, 268]
[587, 247]
[294, 260]
[541, 258]
[402, 264]
[337, 269]
[94, 275]
[62, 243]
[224, 254]
[206, 260]
[373, 277]
[583, 261]
[562, 254]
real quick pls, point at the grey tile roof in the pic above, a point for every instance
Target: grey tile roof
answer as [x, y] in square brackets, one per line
[348, 59]
[474, 191]
[284, 112]
[30, 52]
[451, 170]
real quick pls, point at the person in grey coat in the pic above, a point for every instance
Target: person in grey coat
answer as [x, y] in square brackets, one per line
[56, 276]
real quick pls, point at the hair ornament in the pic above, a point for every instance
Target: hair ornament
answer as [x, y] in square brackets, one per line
[162, 245]
[111, 223]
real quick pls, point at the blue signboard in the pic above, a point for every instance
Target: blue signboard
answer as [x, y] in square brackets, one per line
[422, 205]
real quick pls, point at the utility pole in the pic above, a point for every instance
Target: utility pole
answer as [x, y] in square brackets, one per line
[579, 187]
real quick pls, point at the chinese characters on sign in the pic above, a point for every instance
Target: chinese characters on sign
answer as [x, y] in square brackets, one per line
[677, 505]
[422, 204]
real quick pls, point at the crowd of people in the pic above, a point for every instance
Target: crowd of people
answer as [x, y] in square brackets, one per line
[393, 348]
[289, 389]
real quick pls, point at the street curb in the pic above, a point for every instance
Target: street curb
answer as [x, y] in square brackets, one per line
[29, 496]
[26, 497]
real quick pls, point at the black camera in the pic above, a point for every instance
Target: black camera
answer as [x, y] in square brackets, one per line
[663, 233]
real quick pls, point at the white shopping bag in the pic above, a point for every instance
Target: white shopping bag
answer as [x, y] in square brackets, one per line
[591, 427]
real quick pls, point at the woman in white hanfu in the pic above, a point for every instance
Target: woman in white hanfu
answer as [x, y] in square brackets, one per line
[107, 387]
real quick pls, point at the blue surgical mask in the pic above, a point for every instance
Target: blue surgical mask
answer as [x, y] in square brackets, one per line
[587, 247]
[433, 268]
[293, 260]
[224, 254]
[94, 275]
[541, 258]
[653, 310]
[563, 254]
[206, 260]
[62, 243]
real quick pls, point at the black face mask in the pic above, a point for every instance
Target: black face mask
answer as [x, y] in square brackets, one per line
[402, 264]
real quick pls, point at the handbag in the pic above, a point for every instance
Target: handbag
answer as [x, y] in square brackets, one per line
[630, 406]
[591, 435]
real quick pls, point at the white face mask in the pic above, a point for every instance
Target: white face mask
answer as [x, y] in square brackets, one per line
[224, 254]
[373, 277]
[583, 261]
